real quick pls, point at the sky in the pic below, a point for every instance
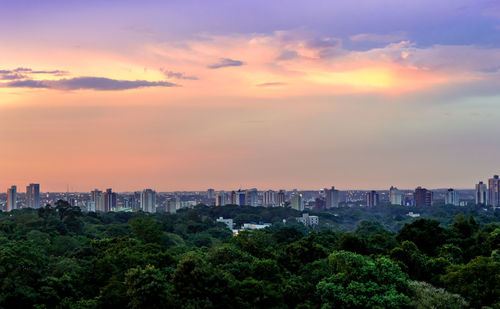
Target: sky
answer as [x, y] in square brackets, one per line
[190, 95]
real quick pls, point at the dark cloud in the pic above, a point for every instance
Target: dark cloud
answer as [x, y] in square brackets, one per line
[178, 75]
[11, 76]
[93, 83]
[226, 62]
[271, 84]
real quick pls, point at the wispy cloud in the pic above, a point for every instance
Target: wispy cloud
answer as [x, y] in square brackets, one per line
[23, 73]
[226, 62]
[271, 84]
[379, 38]
[92, 83]
[178, 75]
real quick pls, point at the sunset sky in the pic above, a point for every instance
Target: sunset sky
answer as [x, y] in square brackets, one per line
[185, 95]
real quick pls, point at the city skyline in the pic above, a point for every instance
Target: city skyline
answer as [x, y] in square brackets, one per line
[186, 94]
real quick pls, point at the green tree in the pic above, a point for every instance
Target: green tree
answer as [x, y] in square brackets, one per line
[146, 229]
[359, 282]
[147, 288]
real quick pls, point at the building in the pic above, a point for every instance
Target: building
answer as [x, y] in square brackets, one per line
[308, 220]
[331, 198]
[12, 198]
[228, 222]
[254, 226]
[319, 203]
[451, 197]
[281, 198]
[240, 198]
[297, 202]
[372, 199]
[395, 196]
[91, 206]
[269, 199]
[252, 197]
[220, 198]
[173, 204]
[481, 195]
[423, 197]
[493, 191]
[33, 195]
[148, 200]
[109, 200]
[97, 197]
[211, 194]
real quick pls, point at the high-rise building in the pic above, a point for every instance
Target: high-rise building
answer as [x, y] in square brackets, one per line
[97, 197]
[252, 197]
[494, 191]
[233, 198]
[451, 197]
[281, 198]
[12, 198]
[297, 202]
[91, 206]
[109, 200]
[319, 203]
[211, 194]
[33, 195]
[331, 198]
[481, 194]
[372, 199]
[220, 198]
[423, 197]
[171, 205]
[148, 200]
[270, 198]
[395, 196]
[240, 198]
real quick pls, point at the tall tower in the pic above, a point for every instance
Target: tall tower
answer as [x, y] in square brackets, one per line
[395, 196]
[109, 200]
[331, 198]
[97, 197]
[372, 199]
[12, 198]
[494, 191]
[252, 197]
[33, 195]
[148, 200]
[451, 198]
[423, 197]
[481, 194]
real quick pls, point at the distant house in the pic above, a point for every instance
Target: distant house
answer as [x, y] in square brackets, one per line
[228, 222]
[308, 220]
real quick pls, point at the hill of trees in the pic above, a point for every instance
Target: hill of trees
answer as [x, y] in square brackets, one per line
[59, 257]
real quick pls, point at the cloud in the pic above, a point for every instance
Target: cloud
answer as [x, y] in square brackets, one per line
[92, 83]
[23, 73]
[226, 62]
[271, 84]
[178, 75]
[288, 55]
[378, 38]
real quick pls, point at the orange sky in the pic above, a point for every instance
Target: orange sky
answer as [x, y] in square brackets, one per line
[280, 109]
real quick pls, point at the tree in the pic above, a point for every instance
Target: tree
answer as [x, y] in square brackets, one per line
[147, 288]
[359, 282]
[478, 281]
[426, 296]
[426, 234]
[146, 229]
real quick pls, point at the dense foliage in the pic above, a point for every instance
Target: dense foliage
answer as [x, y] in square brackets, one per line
[59, 257]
